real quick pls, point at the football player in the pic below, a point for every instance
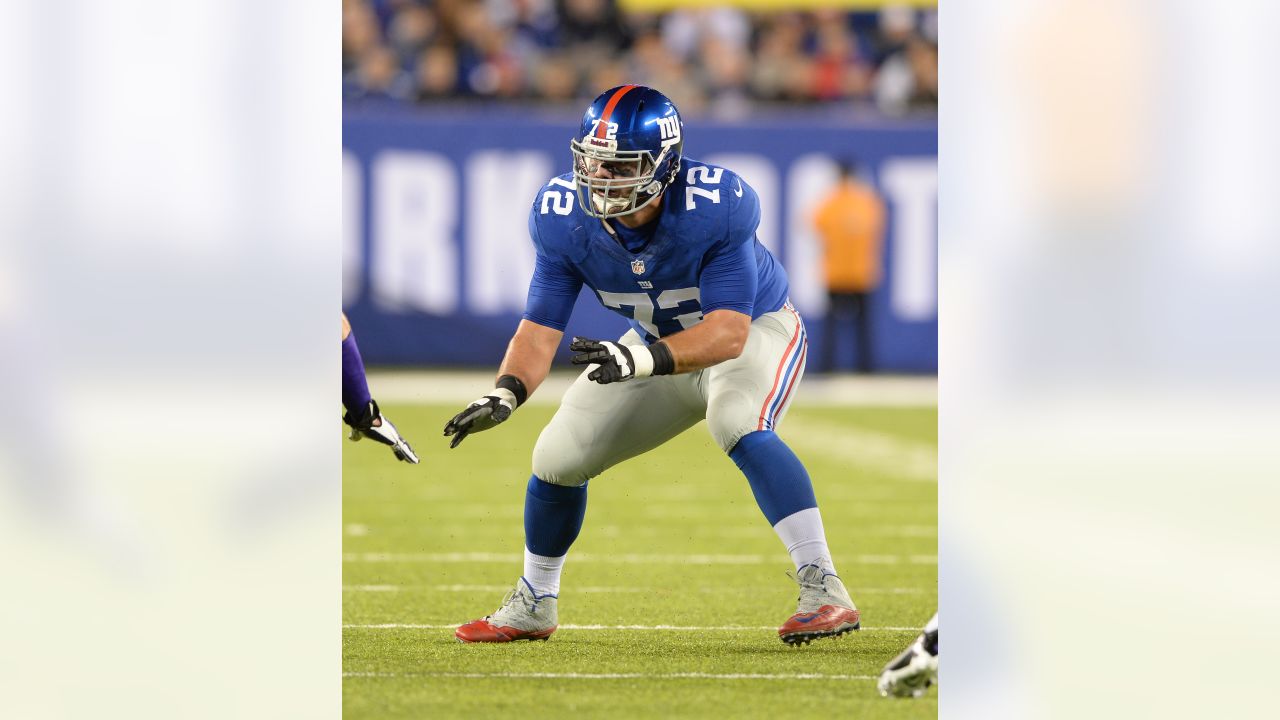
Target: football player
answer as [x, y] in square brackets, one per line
[362, 414]
[669, 243]
[912, 672]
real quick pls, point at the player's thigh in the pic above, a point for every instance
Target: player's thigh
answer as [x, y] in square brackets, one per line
[753, 391]
[599, 426]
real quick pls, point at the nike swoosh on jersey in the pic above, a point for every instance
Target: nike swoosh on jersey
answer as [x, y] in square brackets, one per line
[738, 191]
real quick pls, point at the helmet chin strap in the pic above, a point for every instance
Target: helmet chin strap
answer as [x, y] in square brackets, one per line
[609, 228]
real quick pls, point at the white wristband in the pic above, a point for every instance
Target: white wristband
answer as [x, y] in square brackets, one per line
[643, 360]
[505, 396]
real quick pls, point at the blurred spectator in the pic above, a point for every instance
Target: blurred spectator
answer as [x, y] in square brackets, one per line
[896, 26]
[378, 75]
[556, 78]
[411, 30]
[726, 78]
[437, 73]
[850, 222]
[657, 67]
[780, 60]
[839, 70]
[611, 73]
[591, 27]
[683, 31]
[908, 79]
[725, 62]
[360, 33]
[488, 64]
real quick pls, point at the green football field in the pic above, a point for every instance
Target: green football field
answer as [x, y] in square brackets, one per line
[672, 594]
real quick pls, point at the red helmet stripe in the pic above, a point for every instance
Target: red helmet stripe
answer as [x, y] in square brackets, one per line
[608, 109]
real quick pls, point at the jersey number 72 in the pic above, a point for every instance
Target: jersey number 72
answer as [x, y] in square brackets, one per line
[663, 317]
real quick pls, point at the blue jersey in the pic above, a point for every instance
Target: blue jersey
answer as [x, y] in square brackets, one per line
[700, 255]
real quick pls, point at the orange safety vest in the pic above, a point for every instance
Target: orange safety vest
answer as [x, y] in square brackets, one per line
[850, 222]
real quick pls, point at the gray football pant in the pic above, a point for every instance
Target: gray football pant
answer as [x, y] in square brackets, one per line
[599, 426]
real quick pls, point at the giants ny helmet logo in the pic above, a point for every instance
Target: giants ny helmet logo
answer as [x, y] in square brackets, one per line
[670, 128]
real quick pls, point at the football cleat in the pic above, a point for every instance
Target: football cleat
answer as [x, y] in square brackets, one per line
[524, 615]
[913, 671]
[825, 609]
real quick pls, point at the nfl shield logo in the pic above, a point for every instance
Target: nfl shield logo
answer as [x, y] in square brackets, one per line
[637, 267]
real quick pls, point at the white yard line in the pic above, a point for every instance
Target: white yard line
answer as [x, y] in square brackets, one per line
[624, 559]
[616, 676]
[709, 628]
[751, 531]
[591, 589]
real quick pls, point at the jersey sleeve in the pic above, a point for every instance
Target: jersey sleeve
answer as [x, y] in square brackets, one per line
[554, 287]
[729, 275]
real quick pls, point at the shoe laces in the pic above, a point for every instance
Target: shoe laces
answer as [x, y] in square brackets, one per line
[813, 588]
[810, 580]
[516, 593]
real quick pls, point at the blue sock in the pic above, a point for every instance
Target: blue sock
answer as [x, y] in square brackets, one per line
[552, 516]
[355, 389]
[778, 479]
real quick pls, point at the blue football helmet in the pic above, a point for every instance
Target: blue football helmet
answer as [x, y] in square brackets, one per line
[627, 150]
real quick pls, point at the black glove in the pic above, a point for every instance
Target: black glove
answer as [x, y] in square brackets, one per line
[363, 426]
[617, 362]
[481, 415]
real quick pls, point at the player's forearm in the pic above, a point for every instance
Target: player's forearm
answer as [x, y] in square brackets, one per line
[530, 353]
[523, 369]
[720, 336]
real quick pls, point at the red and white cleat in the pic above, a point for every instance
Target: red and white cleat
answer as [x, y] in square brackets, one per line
[524, 615]
[825, 609]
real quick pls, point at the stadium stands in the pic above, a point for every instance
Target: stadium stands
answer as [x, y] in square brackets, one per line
[722, 63]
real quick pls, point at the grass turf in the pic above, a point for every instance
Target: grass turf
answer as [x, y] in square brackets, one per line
[439, 543]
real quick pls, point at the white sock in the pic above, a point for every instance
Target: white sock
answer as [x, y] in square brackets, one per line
[543, 573]
[802, 533]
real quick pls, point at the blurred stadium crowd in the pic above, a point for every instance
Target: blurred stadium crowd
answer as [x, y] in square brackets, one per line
[722, 62]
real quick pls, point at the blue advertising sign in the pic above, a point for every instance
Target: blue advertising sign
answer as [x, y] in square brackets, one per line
[437, 259]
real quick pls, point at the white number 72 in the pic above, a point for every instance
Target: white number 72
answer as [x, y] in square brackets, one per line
[708, 176]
